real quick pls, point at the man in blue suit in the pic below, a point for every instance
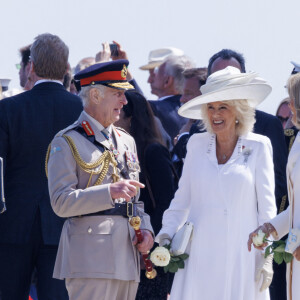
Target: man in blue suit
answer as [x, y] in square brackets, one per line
[29, 229]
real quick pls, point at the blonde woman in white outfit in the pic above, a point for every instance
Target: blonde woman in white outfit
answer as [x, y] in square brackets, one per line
[290, 218]
[226, 188]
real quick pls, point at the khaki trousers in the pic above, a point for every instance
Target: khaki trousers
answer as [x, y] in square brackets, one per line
[100, 289]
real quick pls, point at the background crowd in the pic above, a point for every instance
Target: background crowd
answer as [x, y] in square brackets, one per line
[30, 230]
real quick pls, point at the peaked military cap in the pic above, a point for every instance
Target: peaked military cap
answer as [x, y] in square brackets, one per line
[296, 68]
[112, 74]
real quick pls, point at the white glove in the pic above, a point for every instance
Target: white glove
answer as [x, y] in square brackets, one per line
[164, 239]
[264, 268]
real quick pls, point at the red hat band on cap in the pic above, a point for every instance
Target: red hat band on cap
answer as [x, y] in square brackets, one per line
[106, 76]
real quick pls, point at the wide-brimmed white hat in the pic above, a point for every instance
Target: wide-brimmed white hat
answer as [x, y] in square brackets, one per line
[227, 84]
[156, 57]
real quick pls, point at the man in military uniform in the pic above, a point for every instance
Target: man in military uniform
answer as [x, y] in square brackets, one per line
[93, 175]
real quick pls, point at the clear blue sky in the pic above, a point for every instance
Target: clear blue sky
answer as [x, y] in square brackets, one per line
[265, 31]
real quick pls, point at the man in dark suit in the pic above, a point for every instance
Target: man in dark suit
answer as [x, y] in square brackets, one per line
[167, 84]
[29, 229]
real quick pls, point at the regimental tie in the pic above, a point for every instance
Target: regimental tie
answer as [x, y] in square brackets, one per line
[112, 147]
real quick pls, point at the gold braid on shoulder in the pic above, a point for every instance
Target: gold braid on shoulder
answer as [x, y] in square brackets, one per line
[103, 162]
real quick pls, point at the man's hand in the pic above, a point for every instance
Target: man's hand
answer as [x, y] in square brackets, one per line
[103, 55]
[147, 242]
[126, 189]
[121, 53]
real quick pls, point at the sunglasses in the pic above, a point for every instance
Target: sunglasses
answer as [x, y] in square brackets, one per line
[282, 119]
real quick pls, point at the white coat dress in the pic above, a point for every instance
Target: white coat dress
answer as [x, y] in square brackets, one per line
[283, 222]
[224, 202]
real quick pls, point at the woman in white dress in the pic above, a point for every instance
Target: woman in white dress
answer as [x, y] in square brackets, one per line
[290, 218]
[226, 188]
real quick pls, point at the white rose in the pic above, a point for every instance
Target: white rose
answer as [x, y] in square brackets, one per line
[258, 239]
[160, 256]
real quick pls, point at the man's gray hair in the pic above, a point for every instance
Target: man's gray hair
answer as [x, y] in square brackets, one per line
[49, 55]
[85, 93]
[174, 66]
[245, 116]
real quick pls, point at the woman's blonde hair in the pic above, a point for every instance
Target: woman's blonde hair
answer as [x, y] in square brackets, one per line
[245, 116]
[293, 86]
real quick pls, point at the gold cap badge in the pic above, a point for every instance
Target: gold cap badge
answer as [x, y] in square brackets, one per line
[124, 72]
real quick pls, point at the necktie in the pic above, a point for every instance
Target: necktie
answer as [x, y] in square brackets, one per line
[108, 137]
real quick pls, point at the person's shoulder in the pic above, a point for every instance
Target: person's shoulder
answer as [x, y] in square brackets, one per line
[199, 139]
[123, 134]
[71, 96]
[155, 148]
[256, 138]
[15, 99]
[67, 130]
[265, 115]
[267, 119]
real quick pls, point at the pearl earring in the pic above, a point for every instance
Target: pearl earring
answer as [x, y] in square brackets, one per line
[236, 121]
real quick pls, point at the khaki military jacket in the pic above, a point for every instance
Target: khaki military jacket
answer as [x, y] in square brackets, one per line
[91, 246]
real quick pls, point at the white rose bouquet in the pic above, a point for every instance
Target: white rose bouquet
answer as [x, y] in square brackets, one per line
[276, 247]
[162, 257]
[259, 239]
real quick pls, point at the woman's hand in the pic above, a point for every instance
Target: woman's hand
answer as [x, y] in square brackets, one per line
[296, 253]
[267, 229]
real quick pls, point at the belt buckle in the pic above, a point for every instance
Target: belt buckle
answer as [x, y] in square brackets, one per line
[129, 209]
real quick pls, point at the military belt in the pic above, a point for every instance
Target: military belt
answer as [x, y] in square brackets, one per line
[127, 210]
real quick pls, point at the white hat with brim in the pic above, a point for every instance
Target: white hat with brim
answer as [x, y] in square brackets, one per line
[224, 85]
[157, 56]
[151, 65]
